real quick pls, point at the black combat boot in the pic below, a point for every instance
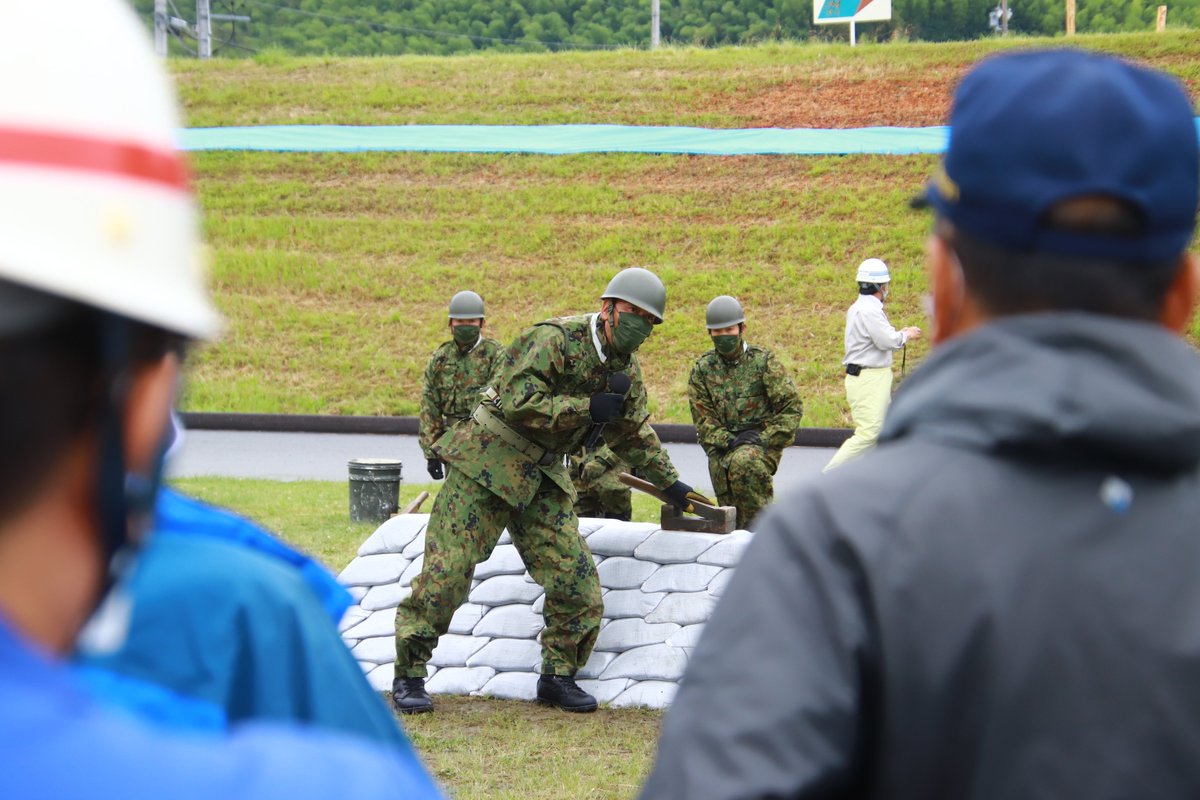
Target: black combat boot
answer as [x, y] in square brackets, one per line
[561, 691]
[410, 697]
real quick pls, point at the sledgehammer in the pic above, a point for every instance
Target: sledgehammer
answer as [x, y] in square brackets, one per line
[708, 519]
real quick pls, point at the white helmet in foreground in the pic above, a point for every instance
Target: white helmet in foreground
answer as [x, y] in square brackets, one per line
[95, 205]
[873, 270]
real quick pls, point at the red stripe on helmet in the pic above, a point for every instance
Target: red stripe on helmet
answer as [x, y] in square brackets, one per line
[90, 154]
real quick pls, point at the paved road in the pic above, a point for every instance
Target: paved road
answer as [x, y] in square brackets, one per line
[323, 456]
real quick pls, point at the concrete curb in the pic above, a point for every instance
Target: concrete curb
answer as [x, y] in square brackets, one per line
[407, 426]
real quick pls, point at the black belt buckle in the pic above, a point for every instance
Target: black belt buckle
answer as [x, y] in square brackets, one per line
[853, 369]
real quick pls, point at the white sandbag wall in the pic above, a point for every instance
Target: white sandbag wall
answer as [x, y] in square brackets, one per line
[659, 589]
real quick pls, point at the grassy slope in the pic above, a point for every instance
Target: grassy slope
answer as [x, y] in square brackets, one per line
[334, 268]
[338, 294]
[673, 86]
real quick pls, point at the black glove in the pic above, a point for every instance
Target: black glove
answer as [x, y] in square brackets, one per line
[678, 492]
[745, 437]
[606, 406]
[434, 466]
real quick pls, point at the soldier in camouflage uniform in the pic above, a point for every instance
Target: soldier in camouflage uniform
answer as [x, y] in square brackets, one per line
[600, 493]
[746, 410]
[554, 383]
[455, 375]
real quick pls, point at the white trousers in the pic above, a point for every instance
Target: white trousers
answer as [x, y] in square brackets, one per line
[869, 394]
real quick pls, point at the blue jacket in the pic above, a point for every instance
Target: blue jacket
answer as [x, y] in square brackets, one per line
[58, 743]
[230, 625]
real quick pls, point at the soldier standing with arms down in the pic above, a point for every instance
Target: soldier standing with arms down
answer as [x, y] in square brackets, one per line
[457, 371]
[554, 384]
[870, 342]
[746, 410]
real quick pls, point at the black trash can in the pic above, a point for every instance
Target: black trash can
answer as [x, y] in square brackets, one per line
[374, 489]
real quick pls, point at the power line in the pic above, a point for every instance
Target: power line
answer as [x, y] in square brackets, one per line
[178, 36]
[226, 42]
[450, 34]
[235, 45]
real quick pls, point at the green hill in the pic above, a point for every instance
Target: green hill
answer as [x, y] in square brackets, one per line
[444, 27]
[334, 269]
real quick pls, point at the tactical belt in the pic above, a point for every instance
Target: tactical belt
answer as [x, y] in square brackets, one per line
[488, 419]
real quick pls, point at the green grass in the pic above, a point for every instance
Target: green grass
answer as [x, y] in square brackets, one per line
[334, 269]
[672, 86]
[314, 516]
[482, 749]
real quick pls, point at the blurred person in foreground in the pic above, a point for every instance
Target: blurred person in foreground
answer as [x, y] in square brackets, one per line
[999, 601]
[100, 291]
[229, 624]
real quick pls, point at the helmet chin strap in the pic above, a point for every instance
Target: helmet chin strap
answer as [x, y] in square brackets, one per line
[124, 500]
[110, 477]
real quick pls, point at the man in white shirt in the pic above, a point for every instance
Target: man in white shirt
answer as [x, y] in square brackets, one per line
[870, 341]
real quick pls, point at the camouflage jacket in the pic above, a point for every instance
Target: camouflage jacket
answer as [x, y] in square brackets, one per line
[544, 383]
[453, 380]
[751, 391]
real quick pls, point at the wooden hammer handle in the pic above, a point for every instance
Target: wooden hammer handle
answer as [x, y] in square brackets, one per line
[652, 490]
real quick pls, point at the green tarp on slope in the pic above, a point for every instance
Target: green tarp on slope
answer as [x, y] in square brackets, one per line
[565, 139]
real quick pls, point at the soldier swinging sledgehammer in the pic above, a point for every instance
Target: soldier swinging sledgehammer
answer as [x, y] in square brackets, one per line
[552, 386]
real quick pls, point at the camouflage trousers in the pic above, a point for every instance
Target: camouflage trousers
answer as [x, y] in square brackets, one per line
[605, 503]
[745, 478]
[467, 520]
[598, 489]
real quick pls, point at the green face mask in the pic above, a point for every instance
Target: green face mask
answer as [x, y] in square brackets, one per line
[728, 344]
[630, 332]
[465, 335]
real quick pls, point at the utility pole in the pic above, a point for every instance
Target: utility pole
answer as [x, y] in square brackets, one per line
[1004, 17]
[1070, 17]
[204, 28]
[160, 28]
[655, 20]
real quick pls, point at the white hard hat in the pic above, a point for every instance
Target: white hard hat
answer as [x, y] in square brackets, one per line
[95, 205]
[873, 270]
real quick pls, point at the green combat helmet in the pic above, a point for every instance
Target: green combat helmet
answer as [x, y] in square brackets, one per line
[641, 287]
[722, 312]
[466, 305]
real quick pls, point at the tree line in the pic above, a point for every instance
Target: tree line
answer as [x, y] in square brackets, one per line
[441, 27]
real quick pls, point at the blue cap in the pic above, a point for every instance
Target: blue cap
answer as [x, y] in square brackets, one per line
[1030, 129]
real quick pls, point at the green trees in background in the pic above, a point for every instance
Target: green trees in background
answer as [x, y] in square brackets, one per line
[392, 27]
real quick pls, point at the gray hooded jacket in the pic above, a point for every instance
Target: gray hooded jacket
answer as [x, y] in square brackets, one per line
[1002, 601]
